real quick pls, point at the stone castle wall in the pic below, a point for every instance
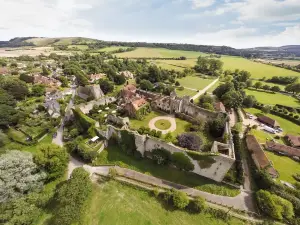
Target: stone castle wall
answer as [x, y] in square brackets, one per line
[144, 143]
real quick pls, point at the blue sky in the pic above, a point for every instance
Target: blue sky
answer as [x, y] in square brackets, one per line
[236, 23]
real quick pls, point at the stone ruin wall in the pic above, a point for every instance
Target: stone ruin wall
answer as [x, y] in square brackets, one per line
[145, 143]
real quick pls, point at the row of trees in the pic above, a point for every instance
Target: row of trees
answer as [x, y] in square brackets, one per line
[209, 66]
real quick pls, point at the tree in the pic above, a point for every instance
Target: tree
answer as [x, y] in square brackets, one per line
[19, 175]
[26, 78]
[64, 81]
[274, 206]
[38, 90]
[161, 156]
[146, 85]
[180, 199]
[53, 159]
[15, 87]
[181, 161]
[190, 141]
[222, 89]
[71, 198]
[81, 79]
[216, 127]
[249, 83]
[249, 101]
[119, 79]
[177, 83]
[45, 71]
[294, 88]
[106, 86]
[266, 109]
[275, 88]
[258, 85]
[232, 99]
[8, 115]
[6, 99]
[266, 87]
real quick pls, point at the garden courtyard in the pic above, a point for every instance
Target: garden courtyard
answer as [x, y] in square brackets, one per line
[165, 124]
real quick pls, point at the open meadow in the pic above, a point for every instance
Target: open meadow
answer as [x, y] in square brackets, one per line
[118, 204]
[269, 98]
[158, 53]
[194, 82]
[258, 70]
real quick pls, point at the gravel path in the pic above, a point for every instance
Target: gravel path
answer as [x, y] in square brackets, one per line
[170, 118]
[205, 89]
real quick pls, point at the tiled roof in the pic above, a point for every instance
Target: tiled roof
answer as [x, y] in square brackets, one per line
[267, 120]
[283, 148]
[138, 103]
[294, 140]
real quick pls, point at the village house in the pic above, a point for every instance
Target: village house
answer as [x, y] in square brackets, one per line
[283, 149]
[258, 155]
[94, 77]
[294, 141]
[268, 121]
[47, 81]
[126, 74]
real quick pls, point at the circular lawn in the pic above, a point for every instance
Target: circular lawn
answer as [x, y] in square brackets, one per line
[163, 124]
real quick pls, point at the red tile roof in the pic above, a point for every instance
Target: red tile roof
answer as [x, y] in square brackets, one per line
[258, 155]
[290, 151]
[139, 103]
[294, 140]
[130, 87]
[267, 120]
[220, 107]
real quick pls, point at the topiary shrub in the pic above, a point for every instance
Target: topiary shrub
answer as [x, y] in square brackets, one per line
[190, 141]
[182, 162]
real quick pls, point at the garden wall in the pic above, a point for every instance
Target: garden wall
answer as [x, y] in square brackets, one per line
[216, 167]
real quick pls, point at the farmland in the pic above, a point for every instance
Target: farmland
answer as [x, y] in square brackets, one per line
[30, 51]
[273, 98]
[258, 70]
[158, 53]
[114, 203]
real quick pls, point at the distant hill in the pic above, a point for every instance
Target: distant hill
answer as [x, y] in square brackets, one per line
[259, 52]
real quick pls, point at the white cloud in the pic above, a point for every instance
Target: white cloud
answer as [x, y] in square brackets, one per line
[202, 3]
[263, 10]
[244, 37]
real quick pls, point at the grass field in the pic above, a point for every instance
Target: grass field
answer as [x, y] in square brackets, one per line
[80, 47]
[285, 166]
[178, 65]
[111, 48]
[263, 136]
[194, 82]
[158, 53]
[285, 61]
[211, 89]
[185, 92]
[268, 83]
[273, 99]
[114, 155]
[287, 126]
[57, 41]
[117, 204]
[258, 70]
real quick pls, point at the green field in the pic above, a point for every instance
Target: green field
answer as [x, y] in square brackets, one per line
[178, 65]
[194, 82]
[268, 83]
[57, 41]
[111, 48]
[258, 70]
[263, 136]
[287, 126]
[158, 53]
[285, 166]
[114, 155]
[117, 204]
[185, 92]
[273, 99]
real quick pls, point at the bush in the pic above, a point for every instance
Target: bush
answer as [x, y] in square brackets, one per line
[216, 127]
[113, 172]
[181, 161]
[180, 199]
[190, 141]
[197, 205]
[161, 156]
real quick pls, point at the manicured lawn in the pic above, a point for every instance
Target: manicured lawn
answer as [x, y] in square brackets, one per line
[287, 126]
[185, 92]
[158, 53]
[162, 124]
[116, 204]
[114, 155]
[273, 99]
[180, 124]
[285, 166]
[263, 136]
[258, 70]
[194, 82]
